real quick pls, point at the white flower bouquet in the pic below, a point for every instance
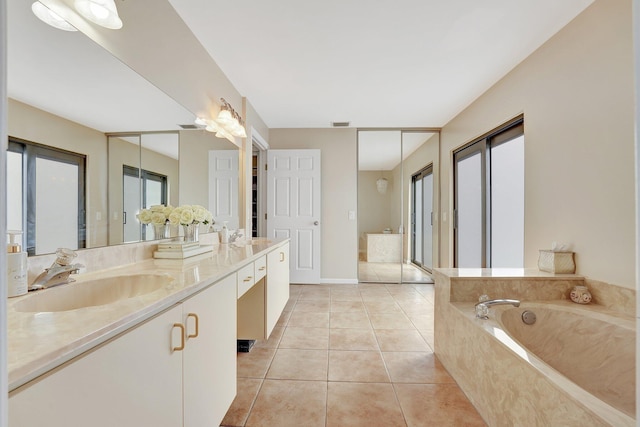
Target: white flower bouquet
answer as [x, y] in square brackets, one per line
[156, 214]
[182, 215]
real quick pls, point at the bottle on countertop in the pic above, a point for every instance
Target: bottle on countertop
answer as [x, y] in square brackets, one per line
[224, 233]
[16, 266]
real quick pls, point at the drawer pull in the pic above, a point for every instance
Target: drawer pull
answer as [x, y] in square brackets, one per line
[195, 316]
[248, 279]
[281, 256]
[262, 268]
[181, 347]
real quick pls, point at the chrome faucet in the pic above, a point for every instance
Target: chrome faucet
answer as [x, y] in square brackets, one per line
[235, 236]
[59, 272]
[482, 307]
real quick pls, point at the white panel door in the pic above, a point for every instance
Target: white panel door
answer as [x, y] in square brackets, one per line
[223, 187]
[293, 208]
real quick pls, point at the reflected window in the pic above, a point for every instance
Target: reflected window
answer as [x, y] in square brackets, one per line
[144, 186]
[46, 196]
[489, 200]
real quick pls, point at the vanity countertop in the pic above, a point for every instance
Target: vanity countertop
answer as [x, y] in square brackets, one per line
[39, 342]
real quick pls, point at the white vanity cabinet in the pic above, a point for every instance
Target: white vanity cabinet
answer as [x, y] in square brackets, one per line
[175, 369]
[277, 291]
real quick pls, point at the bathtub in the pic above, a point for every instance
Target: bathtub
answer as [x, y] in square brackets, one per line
[585, 352]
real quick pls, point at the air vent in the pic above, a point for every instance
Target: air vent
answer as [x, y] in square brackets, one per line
[340, 124]
[189, 127]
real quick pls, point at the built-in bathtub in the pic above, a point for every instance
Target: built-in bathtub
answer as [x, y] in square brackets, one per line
[575, 366]
[605, 371]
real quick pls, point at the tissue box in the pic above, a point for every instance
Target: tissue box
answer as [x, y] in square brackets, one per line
[556, 262]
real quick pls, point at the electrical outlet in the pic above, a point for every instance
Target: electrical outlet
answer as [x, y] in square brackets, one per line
[352, 215]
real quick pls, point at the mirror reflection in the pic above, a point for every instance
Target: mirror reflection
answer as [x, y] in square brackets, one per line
[68, 183]
[396, 202]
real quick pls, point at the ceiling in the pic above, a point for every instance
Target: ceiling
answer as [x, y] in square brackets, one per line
[413, 63]
[407, 63]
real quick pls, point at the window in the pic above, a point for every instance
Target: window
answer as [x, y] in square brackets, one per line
[489, 200]
[52, 180]
[422, 218]
[154, 192]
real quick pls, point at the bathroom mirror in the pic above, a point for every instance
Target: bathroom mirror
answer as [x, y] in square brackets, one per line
[397, 205]
[65, 94]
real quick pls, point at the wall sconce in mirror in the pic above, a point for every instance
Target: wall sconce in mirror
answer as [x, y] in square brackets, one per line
[381, 185]
[49, 17]
[101, 12]
[228, 124]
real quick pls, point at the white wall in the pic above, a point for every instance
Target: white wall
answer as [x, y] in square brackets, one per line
[576, 93]
[339, 194]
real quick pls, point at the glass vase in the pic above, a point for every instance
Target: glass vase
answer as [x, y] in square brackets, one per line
[160, 231]
[191, 232]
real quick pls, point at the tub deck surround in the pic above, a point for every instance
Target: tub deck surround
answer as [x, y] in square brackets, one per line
[39, 342]
[506, 382]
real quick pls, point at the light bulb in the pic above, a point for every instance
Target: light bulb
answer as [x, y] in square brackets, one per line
[49, 17]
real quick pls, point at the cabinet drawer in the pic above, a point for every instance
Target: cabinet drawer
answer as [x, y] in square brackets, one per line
[260, 266]
[246, 279]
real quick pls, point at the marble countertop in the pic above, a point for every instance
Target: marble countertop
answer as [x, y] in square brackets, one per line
[39, 342]
[506, 273]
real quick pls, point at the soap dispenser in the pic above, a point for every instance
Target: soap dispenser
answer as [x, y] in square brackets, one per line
[224, 233]
[16, 266]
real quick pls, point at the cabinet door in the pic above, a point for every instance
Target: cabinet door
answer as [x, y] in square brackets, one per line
[277, 293]
[210, 357]
[134, 380]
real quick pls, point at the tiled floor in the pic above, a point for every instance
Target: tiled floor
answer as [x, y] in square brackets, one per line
[348, 356]
[389, 272]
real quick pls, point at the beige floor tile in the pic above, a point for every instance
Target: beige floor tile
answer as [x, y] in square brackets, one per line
[386, 306]
[274, 338]
[255, 363]
[347, 306]
[390, 321]
[400, 340]
[305, 338]
[357, 366]
[319, 306]
[350, 320]
[291, 304]
[422, 321]
[352, 339]
[290, 404]
[303, 319]
[346, 296]
[436, 405]
[238, 413]
[428, 336]
[362, 404]
[416, 368]
[295, 364]
[284, 318]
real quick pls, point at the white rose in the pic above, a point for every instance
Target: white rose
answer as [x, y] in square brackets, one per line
[174, 217]
[158, 218]
[144, 216]
[186, 216]
[168, 210]
[157, 208]
[199, 213]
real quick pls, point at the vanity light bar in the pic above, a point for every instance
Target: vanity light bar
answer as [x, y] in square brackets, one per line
[101, 12]
[228, 124]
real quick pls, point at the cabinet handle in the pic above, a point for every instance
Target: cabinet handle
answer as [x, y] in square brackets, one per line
[181, 347]
[248, 279]
[262, 268]
[281, 256]
[195, 316]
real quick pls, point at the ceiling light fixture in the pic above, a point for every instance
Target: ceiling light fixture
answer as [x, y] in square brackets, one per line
[48, 16]
[230, 120]
[101, 12]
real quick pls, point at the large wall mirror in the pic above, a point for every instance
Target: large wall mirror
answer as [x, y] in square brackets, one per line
[397, 205]
[92, 142]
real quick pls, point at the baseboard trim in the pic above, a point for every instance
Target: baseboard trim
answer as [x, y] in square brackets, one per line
[339, 281]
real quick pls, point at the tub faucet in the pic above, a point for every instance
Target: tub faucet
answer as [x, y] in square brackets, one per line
[482, 307]
[59, 272]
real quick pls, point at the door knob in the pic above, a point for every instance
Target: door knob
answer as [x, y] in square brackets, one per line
[316, 223]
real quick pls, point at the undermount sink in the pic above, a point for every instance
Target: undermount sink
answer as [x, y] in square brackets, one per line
[91, 293]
